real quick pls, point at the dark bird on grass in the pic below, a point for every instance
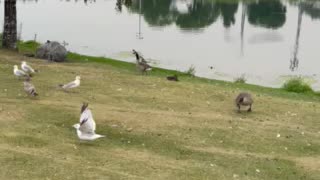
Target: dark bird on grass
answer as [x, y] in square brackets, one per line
[29, 87]
[173, 78]
[244, 99]
[141, 64]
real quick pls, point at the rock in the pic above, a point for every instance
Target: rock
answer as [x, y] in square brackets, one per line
[52, 51]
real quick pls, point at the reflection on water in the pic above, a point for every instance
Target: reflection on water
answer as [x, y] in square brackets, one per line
[268, 14]
[265, 40]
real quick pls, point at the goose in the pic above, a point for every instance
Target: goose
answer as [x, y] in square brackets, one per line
[73, 84]
[87, 126]
[138, 56]
[29, 87]
[141, 63]
[244, 99]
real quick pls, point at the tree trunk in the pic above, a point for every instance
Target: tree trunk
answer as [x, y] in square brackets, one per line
[9, 37]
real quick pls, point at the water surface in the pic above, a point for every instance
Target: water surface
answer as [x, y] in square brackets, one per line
[266, 41]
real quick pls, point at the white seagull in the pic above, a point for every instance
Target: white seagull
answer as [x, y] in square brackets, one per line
[17, 72]
[26, 68]
[73, 84]
[87, 126]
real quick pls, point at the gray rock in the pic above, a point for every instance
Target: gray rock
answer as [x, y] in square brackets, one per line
[52, 51]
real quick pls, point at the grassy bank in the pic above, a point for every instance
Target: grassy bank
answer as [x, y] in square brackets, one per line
[29, 47]
[155, 129]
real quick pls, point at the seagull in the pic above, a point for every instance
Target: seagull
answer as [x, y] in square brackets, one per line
[26, 68]
[87, 126]
[17, 72]
[29, 88]
[73, 84]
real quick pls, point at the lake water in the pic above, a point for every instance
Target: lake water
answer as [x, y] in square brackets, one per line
[265, 41]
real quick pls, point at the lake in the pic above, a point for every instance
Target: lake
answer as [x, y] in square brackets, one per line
[267, 42]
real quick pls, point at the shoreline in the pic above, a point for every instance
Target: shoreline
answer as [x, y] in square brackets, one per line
[73, 57]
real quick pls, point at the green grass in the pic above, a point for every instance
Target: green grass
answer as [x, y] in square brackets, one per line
[28, 46]
[156, 129]
[297, 85]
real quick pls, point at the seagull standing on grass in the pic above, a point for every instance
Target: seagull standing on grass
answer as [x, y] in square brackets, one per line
[29, 88]
[26, 68]
[73, 84]
[17, 72]
[87, 126]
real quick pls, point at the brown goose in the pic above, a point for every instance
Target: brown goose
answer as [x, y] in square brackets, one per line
[244, 99]
[141, 63]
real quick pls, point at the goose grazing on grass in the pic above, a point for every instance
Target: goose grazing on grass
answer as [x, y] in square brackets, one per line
[26, 68]
[29, 88]
[87, 126]
[141, 63]
[73, 84]
[17, 72]
[244, 99]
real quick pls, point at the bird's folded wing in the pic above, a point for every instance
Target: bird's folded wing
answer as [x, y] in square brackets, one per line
[20, 73]
[29, 68]
[69, 85]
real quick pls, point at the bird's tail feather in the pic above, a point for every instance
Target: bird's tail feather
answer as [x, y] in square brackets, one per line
[101, 135]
